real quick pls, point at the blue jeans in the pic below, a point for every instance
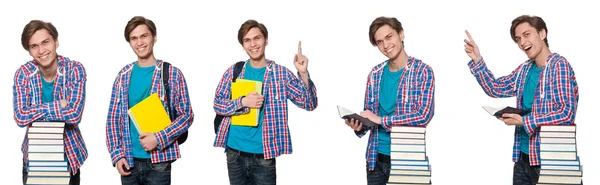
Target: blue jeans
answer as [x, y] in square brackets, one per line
[74, 180]
[381, 174]
[523, 173]
[145, 172]
[248, 169]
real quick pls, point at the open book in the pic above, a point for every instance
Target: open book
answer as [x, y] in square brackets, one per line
[495, 111]
[348, 115]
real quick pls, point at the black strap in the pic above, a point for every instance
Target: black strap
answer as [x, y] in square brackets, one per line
[165, 78]
[237, 70]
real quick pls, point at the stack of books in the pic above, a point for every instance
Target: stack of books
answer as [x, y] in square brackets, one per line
[409, 161]
[558, 152]
[47, 162]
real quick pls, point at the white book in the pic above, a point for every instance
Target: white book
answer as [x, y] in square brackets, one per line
[48, 180]
[48, 124]
[411, 172]
[46, 156]
[409, 179]
[558, 134]
[557, 140]
[559, 179]
[407, 141]
[408, 167]
[45, 136]
[558, 128]
[419, 156]
[46, 148]
[46, 130]
[46, 142]
[49, 168]
[558, 147]
[558, 155]
[407, 148]
[48, 174]
[498, 111]
[407, 135]
[408, 129]
[46, 163]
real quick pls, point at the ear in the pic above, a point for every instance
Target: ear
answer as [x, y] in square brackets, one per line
[401, 34]
[266, 42]
[543, 34]
[56, 43]
[154, 38]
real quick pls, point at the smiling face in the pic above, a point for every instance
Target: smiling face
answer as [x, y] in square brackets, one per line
[42, 47]
[254, 43]
[142, 41]
[389, 41]
[529, 39]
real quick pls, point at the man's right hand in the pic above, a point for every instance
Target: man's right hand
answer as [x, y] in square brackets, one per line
[354, 124]
[253, 100]
[471, 48]
[122, 162]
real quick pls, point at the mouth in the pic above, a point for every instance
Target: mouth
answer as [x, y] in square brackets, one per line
[527, 48]
[389, 50]
[141, 48]
[253, 50]
[45, 56]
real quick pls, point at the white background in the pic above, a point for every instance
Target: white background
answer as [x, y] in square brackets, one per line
[464, 143]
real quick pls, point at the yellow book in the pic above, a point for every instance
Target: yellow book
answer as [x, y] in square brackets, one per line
[241, 87]
[149, 115]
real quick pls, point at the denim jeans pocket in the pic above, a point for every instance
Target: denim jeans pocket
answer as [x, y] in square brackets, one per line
[161, 167]
[231, 156]
[265, 162]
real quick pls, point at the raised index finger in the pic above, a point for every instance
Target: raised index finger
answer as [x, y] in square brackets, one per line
[470, 38]
[299, 47]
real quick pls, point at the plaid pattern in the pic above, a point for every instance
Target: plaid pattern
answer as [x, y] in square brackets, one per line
[280, 84]
[118, 140]
[69, 84]
[415, 105]
[555, 99]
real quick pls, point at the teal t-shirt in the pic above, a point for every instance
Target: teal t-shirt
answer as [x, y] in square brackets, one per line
[246, 138]
[531, 84]
[140, 86]
[47, 91]
[388, 97]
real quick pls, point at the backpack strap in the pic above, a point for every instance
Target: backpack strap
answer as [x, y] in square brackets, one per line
[165, 79]
[237, 69]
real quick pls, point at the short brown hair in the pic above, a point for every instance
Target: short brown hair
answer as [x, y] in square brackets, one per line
[136, 21]
[381, 21]
[535, 21]
[32, 27]
[249, 24]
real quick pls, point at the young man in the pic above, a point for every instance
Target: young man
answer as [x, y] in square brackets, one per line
[544, 84]
[145, 158]
[399, 92]
[50, 88]
[251, 150]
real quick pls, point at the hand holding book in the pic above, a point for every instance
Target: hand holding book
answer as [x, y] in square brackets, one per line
[509, 115]
[353, 118]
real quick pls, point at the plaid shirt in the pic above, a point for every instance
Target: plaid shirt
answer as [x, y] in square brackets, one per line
[280, 84]
[555, 99]
[118, 139]
[415, 105]
[69, 84]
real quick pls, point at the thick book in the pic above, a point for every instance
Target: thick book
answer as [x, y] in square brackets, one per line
[498, 111]
[149, 115]
[349, 115]
[241, 87]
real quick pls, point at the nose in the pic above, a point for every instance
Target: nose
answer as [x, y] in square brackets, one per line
[522, 43]
[253, 43]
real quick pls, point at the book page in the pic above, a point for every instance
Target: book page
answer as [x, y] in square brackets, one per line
[343, 111]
